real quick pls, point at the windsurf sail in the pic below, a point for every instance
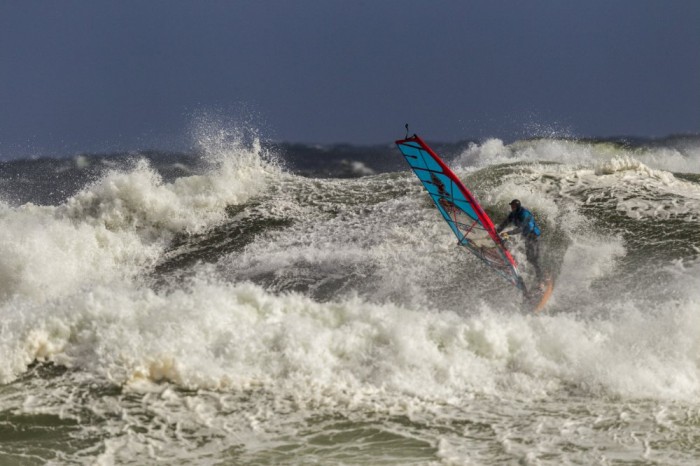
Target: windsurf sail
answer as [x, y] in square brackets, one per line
[467, 219]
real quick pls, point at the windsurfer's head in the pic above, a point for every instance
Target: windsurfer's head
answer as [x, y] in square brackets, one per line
[514, 204]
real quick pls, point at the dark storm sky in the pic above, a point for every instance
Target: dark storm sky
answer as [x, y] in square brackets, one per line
[101, 76]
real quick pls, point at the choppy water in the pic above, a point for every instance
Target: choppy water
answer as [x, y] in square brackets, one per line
[295, 305]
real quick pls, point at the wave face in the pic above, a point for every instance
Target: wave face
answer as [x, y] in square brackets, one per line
[296, 304]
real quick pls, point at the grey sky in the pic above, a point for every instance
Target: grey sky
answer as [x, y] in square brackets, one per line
[100, 76]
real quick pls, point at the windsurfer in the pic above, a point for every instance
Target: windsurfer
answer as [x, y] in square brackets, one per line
[524, 223]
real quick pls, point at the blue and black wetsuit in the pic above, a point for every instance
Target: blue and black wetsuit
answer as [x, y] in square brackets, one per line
[524, 223]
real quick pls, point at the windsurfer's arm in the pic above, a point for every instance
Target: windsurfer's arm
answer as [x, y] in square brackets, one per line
[514, 231]
[501, 226]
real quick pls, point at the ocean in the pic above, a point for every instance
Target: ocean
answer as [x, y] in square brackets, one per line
[257, 303]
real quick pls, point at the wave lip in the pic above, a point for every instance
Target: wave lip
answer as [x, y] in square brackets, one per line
[120, 224]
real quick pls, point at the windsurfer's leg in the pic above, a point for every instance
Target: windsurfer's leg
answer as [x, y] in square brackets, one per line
[532, 252]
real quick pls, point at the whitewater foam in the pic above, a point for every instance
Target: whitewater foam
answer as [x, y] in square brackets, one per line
[579, 153]
[215, 335]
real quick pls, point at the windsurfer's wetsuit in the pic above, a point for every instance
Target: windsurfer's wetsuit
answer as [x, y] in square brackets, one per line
[525, 224]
